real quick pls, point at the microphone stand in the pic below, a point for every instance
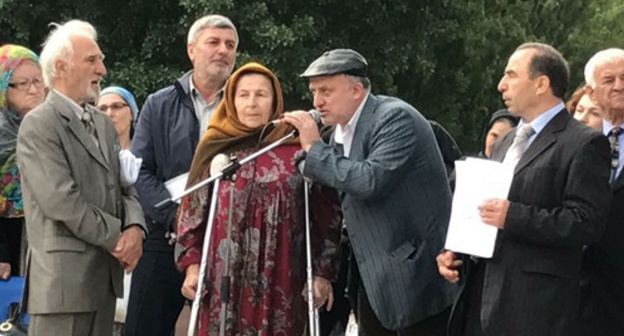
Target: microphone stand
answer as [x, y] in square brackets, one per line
[204, 260]
[313, 315]
[226, 172]
[229, 169]
[225, 279]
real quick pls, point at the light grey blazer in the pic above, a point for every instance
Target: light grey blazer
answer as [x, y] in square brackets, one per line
[396, 202]
[75, 208]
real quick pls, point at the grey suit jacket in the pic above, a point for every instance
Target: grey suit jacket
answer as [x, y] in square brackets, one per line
[396, 202]
[75, 208]
[559, 200]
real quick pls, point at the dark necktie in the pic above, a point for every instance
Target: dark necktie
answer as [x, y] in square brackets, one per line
[615, 150]
[87, 120]
[339, 148]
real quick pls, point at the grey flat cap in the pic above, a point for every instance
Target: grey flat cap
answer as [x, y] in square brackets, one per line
[337, 61]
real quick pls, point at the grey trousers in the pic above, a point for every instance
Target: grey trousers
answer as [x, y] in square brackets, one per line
[96, 323]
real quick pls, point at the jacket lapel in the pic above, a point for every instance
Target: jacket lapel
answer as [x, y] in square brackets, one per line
[544, 140]
[361, 128]
[619, 181]
[98, 120]
[76, 127]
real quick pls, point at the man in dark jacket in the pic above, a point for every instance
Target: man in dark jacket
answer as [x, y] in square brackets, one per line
[169, 128]
[602, 299]
[557, 203]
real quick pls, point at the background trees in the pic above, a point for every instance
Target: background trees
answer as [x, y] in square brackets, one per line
[445, 57]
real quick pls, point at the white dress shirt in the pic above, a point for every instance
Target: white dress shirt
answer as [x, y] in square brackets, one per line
[344, 135]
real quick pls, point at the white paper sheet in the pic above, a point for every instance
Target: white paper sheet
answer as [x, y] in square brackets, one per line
[176, 185]
[476, 181]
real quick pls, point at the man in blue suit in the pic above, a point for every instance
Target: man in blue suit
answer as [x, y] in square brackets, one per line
[384, 161]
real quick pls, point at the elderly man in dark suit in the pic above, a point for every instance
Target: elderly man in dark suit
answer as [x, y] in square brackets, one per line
[384, 161]
[557, 203]
[83, 227]
[603, 292]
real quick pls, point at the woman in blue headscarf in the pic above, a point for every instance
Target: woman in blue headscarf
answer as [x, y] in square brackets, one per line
[21, 90]
[119, 104]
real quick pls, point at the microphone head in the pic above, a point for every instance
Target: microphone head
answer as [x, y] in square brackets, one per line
[315, 115]
[219, 162]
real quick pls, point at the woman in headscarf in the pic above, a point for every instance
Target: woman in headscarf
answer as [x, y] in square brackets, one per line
[500, 123]
[119, 104]
[267, 249]
[21, 90]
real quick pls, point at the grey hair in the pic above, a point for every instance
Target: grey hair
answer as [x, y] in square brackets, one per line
[211, 21]
[58, 47]
[600, 58]
[366, 83]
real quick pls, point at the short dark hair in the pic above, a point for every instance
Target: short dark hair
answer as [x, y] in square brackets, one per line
[549, 62]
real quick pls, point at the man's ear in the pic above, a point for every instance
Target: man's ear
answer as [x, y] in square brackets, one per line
[190, 51]
[591, 92]
[61, 68]
[358, 90]
[543, 85]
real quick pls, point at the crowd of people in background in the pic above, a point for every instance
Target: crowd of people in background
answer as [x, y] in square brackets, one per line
[82, 170]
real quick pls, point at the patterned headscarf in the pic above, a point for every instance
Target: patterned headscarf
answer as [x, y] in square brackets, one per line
[10, 57]
[11, 204]
[226, 133]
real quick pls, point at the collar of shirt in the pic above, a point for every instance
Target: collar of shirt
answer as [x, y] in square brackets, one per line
[198, 99]
[542, 120]
[77, 108]
[607, 126]
[344, 135]
[203, 109]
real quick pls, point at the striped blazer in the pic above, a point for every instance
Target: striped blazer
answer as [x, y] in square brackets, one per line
[396, 202]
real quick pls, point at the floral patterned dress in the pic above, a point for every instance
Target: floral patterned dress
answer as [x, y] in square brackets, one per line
[267, 248]
[11, 205]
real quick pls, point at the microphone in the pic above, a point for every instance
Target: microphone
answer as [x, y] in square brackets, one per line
[219, 162]
[314, 113]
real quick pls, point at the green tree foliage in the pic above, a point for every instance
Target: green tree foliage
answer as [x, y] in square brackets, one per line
[604, 29]
[444, 57]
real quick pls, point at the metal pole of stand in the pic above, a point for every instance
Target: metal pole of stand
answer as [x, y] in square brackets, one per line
[204, 260]
[313, 317]
[225, 279]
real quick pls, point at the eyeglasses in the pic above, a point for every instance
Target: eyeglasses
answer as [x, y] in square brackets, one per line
[114, 106]
[25, 85]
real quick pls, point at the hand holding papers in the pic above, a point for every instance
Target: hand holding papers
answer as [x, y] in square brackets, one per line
[176, 185]
[476, 181]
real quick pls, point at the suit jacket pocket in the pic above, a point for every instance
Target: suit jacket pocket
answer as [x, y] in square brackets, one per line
[64, 243]
[555, 267]
[410, 250]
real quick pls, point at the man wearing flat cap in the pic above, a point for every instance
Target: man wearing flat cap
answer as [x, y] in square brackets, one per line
[384, 161]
